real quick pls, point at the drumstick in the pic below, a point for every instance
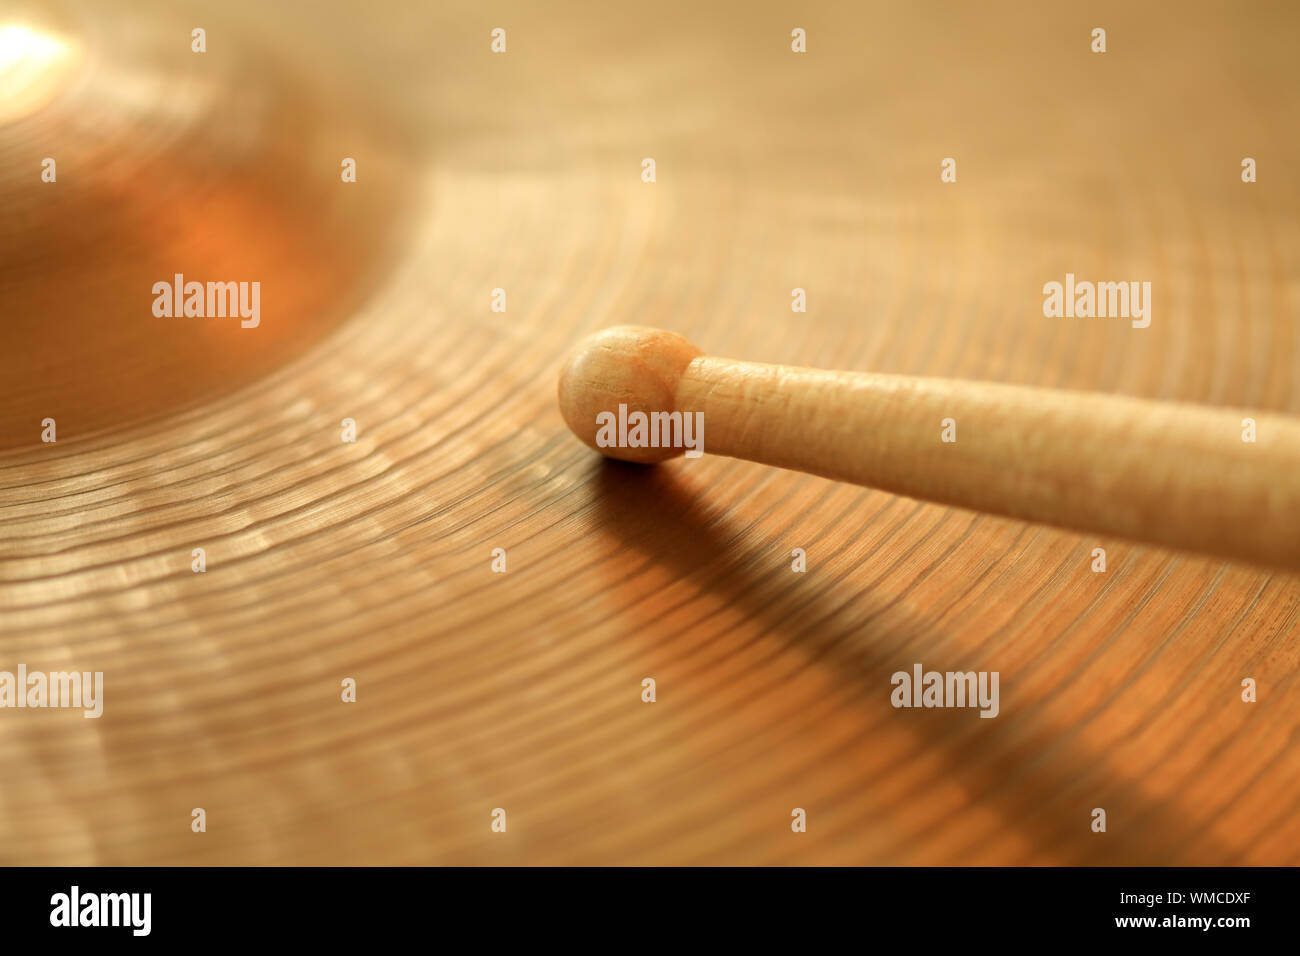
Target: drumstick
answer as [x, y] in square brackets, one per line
[1184, 476]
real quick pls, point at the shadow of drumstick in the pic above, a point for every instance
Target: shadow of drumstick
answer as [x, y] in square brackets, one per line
[653, 511]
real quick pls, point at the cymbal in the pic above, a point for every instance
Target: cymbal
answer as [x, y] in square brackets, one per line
[165, 163]
[498, 594]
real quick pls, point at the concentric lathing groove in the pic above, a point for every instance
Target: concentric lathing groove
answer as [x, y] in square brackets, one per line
[371, 560]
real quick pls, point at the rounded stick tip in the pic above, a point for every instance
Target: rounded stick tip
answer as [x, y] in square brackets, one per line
[628, 365]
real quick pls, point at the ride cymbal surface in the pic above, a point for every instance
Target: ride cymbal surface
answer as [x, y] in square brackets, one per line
[499, 214]
[167, 162]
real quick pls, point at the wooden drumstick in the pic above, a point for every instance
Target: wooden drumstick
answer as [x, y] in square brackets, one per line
[1169, 474]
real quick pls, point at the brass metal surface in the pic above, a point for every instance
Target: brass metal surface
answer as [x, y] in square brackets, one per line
[522, 171]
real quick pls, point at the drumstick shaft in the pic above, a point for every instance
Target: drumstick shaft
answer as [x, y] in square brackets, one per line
[1170, 474]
